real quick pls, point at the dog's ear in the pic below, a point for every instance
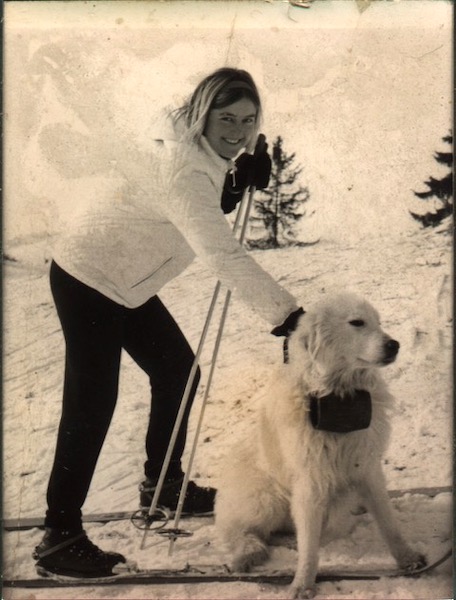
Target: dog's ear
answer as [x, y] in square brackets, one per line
[307, 335]
[301, 338]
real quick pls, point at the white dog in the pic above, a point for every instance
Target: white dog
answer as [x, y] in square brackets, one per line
[290, 473]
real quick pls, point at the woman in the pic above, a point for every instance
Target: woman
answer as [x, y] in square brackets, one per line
[109, 266]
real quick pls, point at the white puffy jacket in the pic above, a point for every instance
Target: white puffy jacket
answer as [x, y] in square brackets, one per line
[164, 210]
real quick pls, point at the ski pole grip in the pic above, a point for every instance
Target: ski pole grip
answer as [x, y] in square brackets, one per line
[260, 145]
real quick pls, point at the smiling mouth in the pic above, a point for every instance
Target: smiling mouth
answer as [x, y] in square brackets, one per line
[232, 142]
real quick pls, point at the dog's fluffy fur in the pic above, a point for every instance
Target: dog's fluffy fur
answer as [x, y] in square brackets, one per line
[288, 474]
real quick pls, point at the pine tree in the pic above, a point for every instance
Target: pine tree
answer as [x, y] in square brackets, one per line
[441, 190]
[279, 207]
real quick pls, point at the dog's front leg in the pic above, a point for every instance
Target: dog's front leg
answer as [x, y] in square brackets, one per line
[308, 507]
[374, 491]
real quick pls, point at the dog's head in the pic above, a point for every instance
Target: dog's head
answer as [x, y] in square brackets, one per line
[342, 332]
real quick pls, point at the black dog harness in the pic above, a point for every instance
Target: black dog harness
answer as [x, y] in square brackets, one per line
[341, 414]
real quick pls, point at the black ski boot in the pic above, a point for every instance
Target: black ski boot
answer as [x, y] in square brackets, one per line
[71, 553]
[198, 500]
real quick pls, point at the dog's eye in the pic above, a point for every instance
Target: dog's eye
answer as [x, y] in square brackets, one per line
[357, 323]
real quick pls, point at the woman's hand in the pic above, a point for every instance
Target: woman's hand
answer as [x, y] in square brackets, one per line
[249, 170]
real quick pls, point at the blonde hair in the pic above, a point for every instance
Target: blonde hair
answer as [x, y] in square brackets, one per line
[218, 90]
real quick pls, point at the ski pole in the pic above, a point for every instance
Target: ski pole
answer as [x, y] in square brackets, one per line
[259, 146]
[153, 507]
[183, 492]
[184, 402]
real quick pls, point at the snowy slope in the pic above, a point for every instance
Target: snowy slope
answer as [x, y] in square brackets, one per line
[406, 277]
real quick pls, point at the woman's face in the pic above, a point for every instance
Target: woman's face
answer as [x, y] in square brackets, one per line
[230, 129]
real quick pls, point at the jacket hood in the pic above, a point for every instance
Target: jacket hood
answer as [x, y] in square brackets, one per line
[168, 131]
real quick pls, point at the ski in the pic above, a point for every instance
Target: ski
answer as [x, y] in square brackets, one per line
[212, 574]
[25, 523]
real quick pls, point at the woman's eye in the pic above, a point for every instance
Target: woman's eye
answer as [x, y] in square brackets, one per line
[357, 323]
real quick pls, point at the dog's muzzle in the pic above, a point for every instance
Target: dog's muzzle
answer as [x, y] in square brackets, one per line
[390, 349]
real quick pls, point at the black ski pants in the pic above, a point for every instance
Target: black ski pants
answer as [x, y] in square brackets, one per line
[95, 330]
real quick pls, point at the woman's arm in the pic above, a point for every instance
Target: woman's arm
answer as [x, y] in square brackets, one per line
[193, 207]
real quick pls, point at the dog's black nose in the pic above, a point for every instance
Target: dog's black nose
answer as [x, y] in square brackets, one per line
[391, 348]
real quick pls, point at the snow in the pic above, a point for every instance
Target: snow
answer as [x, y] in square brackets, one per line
[360, 167]
[408, 280]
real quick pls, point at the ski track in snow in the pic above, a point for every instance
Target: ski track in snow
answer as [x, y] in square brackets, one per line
[407, 277]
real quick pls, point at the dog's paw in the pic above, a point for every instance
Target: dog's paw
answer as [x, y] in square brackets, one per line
[240, 564]
[412, 561]
[244, 562]
[250, 552]
[301, 592]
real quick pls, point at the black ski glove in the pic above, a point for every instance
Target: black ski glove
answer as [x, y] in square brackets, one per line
[250, 170]
[230, 197]
[290, 323]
